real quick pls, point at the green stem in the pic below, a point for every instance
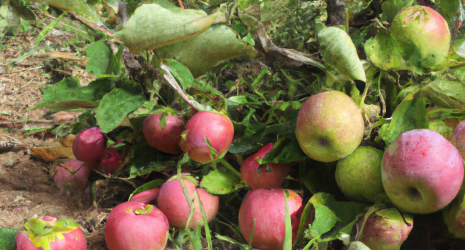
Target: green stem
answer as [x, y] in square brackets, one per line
[228, 166]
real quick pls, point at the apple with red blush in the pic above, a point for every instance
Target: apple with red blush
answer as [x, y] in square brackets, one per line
[164, 138]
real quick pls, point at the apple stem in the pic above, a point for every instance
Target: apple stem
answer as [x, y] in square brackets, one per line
[228, 166]
[403, 218]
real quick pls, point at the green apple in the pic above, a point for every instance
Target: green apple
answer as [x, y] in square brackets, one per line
[329, 126]
[359, 175]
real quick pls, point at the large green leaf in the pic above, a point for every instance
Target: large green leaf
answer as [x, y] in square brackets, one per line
[446, 93]
[392, 7]
[68, 94]
[340, 54]
[410, 114]
[8, 238]
[220, 181]
[145, 159]
[78, 6]
[115, 105]
[202, 52]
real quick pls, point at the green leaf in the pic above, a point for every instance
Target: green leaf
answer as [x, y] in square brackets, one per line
[145, 159]
[115, 105]
[325, 219]
[146, 186]
[78, 6]
[99, 57]
[220, 181]
[47, 29]
[392, 7]
[340, 54]
[319, 177]
[410, 114]
[68, 94]
[446, 93]
[285, 150]
[25, 25]
[8, 238]
[204, 51]
[181, 73]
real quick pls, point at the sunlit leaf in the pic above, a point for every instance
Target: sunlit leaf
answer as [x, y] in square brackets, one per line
[220, 181]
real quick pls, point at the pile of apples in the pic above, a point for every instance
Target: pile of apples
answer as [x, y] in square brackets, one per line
[420, 172]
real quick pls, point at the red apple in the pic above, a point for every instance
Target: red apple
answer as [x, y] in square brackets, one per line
[270, 176]
[136, 225]
[174, 205]
[69, 182]
[89, 145]
[146, 196]
[165, 140]
[217, 128]
[421, 171]
[386, 229]
[110, 161]
[458, 138]
[46, 232]
[267, 207]
[330, 126]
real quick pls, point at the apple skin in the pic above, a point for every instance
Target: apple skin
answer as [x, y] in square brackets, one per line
[172, 202]
[217, 128]
[422, 30]
[146, 196]
[268, 208]
[165, 140]
[421, 171]
[386, 229]
[359, 175]
[110, 161]
[271, 176]
[325, 131]
[74, 240]
[89, 145]
[136, 225]
[73, 183]
[458, 138]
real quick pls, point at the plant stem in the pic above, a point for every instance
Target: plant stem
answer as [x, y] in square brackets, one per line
[228, 166]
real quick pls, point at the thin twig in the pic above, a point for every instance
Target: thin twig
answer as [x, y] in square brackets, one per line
[94, 26]
[376, 20]
[170, 79]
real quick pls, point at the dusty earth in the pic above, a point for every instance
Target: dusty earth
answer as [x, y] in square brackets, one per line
[27, 188]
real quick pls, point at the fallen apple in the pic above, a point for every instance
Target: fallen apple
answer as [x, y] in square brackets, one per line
[269, 176]
[330, 126]
[110, 161]
[47, 232]
[386, 229]
[136, 225]
[421, 171]
[146, 196]
[359, 175]
[164, 139]
[218, 129]
[267, 208]
[72, 176]
[89, 145]
[172, 202]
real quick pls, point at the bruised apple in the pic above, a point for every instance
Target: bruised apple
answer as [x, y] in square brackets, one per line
[205, 124]
[386, 229]
[422, 171]
[136, 225]
[72, 176]
[269, 176]
[89, 145]
[47, 232]
[330, 126]
[172, 202]
[268, 209]
[164, 139]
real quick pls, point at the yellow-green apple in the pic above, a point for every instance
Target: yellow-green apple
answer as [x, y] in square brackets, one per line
[421, 171]
[268, 209]
[329, 126]
[359, 175]
[386, 229]
[270, 175]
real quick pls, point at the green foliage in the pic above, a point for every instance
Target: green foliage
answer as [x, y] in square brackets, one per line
[221, 181]
[8, 238]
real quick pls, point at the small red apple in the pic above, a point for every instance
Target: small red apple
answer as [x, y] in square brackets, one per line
[165, 140]
[136, 225]
[173, 203]
[89, 145]
[267, 207]
[421, 171]
[68, 181]
[217, 128]
[110, 161]
[270, 176]
[47, 232]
